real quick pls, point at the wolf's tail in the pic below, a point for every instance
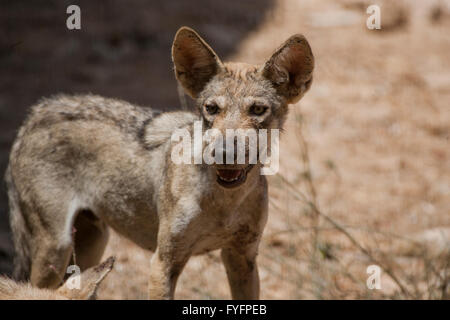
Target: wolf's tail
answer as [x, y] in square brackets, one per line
[22, 262]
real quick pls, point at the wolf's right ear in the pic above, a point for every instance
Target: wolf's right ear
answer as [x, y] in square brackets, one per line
[194, 61]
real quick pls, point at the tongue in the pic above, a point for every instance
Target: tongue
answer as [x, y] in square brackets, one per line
[229, 174]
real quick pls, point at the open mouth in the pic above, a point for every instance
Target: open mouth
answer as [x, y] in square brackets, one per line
[232, 178]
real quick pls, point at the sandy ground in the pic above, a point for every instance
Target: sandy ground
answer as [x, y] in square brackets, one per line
[377, 126]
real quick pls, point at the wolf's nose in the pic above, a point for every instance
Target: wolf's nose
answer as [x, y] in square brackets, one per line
[225, 149]
[234, 153]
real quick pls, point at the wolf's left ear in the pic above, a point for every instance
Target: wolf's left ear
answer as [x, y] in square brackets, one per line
[194, 61]
[290, 68]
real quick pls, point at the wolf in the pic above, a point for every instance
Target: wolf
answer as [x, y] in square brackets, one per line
[83, 164]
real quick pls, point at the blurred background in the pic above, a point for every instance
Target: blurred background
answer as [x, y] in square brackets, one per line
[365, 159]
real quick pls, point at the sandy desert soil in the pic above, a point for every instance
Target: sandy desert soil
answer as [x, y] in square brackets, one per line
[374, 184]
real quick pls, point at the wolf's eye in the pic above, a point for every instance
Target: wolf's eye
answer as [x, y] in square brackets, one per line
[212, 108]
[257, 109]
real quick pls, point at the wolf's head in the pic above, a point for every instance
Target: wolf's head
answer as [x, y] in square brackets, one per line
[241, 96]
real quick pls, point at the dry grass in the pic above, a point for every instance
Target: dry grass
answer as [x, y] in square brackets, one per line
[365, 165]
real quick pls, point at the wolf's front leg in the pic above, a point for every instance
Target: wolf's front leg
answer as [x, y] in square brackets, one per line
[163, 277]
[242, 271]
[165, 268]
[169, 259]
